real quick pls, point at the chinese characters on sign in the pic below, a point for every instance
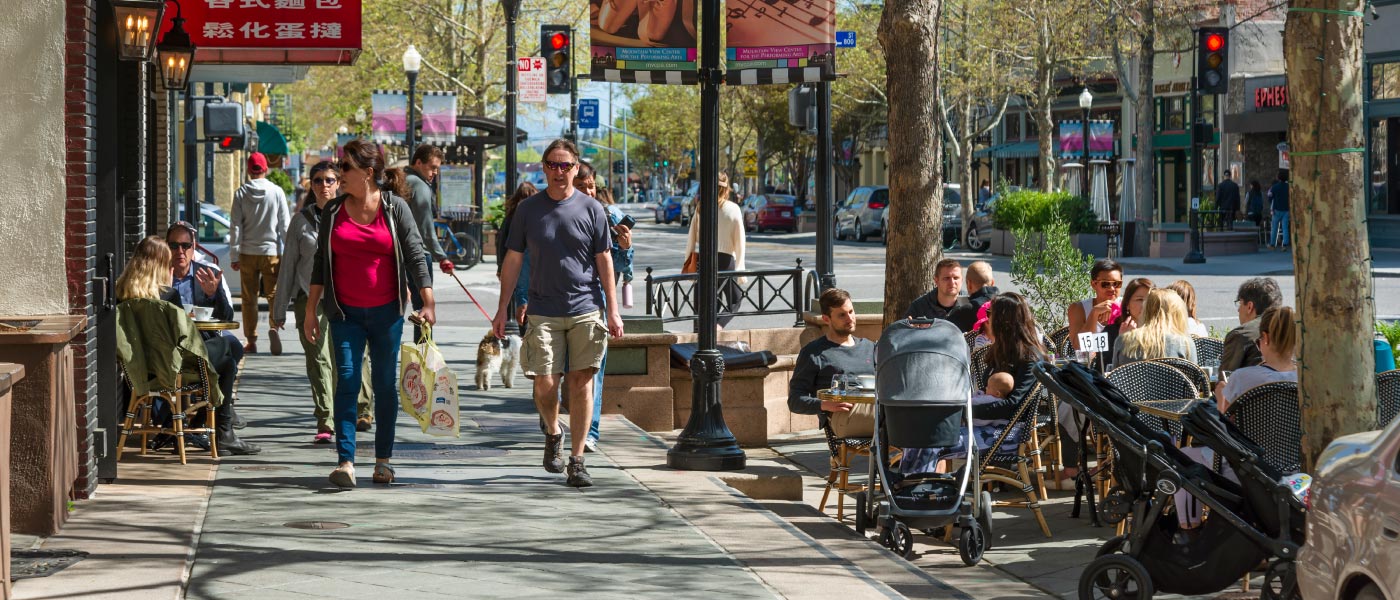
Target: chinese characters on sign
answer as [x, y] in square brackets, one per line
[272, 24]
[530, 72]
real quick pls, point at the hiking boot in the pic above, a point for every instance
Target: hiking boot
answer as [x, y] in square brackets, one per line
[578, 474]
[553, 452]
[275, 341]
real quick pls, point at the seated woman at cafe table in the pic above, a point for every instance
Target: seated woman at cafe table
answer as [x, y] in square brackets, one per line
[197, 283]
[1161, 332]
[1278, 337]
[836, 353]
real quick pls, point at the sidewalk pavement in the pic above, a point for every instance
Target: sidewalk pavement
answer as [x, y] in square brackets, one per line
[473, 517]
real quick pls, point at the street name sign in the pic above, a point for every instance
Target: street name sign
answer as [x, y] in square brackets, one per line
[845, 39]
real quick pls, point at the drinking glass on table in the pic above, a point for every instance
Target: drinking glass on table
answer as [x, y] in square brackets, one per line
[1210, 367]
[838, 384]
[1083, 357]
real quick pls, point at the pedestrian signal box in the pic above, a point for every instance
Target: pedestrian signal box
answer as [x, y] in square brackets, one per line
[1213, 60]
[556, 48]
[223, 119]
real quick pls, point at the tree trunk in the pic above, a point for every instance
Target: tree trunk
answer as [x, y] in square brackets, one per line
[969, 183]
[1145, 108]
[908, 33]
[1331, 255]
[1045, 123]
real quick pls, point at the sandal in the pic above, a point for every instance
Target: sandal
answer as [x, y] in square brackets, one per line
[383, 473]
[343, 476]
[324, 437]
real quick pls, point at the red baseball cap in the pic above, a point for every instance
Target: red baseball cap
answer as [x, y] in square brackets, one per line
[257, 163]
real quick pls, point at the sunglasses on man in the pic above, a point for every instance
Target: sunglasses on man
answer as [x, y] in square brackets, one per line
[559, 166]
[1109, 284]
[179, 246]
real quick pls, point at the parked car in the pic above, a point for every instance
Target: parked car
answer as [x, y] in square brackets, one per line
[952, 214]
[669, 209]
[770, 211]
[687, 205]
[979, 235]
[213, 243]
[1353, 527]
[863, 213]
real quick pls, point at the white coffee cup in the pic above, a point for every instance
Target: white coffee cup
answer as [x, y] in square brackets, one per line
[203, 313]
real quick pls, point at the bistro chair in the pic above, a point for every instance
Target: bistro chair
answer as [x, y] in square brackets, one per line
[1191, 370]
[842, 451]
[1387, 397]
[1013, 467]
[1152, 380]
[1059, 342]
[978, 365]
[1208, 349]
[158, 361]
[1269, 415]
[971, 339]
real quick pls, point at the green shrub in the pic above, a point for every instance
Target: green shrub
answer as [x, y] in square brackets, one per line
[496, 214]
[282, 179]
[1034, 211]
[1050, 272]
[1391, 331]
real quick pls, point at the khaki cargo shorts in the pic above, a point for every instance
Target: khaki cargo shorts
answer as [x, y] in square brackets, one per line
[583, 339]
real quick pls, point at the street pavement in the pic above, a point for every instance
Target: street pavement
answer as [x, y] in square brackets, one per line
[860, 268]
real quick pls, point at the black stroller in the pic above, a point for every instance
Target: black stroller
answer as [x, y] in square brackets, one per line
[923, 393]
[1248, 522]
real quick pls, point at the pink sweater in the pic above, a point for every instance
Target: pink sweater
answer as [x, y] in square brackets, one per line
[365, 266]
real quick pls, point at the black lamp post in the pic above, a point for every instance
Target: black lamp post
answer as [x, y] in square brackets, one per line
[512, 10]
[412, 63]
[176, 54]
[706, 444]
[1086, 101]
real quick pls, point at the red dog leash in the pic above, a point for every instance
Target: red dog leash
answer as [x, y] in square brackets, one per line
[473, 298]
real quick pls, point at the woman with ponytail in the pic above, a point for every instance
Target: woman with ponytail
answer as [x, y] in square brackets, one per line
[368, 243]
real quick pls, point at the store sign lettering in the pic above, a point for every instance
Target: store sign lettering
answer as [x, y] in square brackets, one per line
[1271, 98]
[271, 24]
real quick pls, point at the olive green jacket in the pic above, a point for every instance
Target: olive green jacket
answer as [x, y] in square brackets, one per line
[158, 345]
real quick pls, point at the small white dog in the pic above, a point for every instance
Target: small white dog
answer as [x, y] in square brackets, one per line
[496, 354]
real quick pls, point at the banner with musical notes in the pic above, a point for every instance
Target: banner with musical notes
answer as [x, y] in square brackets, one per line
[780, 41]
[643, 41]
[439, 118]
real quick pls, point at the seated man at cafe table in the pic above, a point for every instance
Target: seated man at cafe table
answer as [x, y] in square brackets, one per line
[197, 283]
[836, 353]
[1254, 297]
[943, 301]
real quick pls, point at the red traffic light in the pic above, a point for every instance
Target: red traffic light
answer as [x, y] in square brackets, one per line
[226, 142]
[559, 40]
[1214, 42]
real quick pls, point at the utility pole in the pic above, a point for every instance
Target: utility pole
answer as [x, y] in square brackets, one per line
[512, 11]
[191, 170]
[208, 163]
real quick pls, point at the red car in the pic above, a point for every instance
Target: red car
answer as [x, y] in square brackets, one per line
[770, 211]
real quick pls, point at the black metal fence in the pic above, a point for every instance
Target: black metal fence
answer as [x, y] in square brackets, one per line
[1215, 220]
[765, 292]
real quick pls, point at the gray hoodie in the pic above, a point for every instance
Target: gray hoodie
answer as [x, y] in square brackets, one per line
[258, 223]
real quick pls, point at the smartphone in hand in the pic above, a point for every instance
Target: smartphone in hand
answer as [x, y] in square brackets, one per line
[628, 222]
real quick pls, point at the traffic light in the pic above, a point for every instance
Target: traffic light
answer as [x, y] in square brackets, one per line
[555, 48]
[224, 126]
[665, 163]
[1213, 60]
[230, 143]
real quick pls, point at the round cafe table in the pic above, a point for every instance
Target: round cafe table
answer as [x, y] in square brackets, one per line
[216, 325]
[854, 397]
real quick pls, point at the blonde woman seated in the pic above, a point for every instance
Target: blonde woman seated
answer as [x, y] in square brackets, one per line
[1278, 336]
[1162, 332]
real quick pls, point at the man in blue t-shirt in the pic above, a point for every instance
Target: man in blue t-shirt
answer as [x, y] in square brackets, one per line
[565, 233]
[1278, 202]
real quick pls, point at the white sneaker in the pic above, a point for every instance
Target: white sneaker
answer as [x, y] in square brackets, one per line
[590, 445]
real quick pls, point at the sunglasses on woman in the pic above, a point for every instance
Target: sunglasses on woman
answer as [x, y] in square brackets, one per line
[324, 181]
[1109, 284]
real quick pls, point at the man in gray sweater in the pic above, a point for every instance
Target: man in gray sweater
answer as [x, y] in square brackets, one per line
[257, 228]
[836, 353]
[427, 161]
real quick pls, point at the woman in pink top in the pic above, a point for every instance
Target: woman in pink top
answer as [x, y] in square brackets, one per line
[368, 245]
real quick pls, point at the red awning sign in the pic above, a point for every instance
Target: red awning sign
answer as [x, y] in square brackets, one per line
[272, 31]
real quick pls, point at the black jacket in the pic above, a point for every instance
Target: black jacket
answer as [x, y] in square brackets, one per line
[408, 248]
[223, 308]
[1227, 198]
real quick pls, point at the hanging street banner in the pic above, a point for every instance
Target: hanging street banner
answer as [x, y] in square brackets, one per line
[271, 32]
[1072, 139]
[780, 41]
[531, 75]
[390, 116]
[643, 41]
[439, 118]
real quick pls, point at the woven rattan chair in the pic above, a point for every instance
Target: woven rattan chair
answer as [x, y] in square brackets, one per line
[1269, 415]
[1013, 468]
[1198, 378]
[971, 339]
[842, 451]
[1387, 397]
[185, 401]
[978, 365]
[1059, 342]
[1150, 380]
[1208, 349]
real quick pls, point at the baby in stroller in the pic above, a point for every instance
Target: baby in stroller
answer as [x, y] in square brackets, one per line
[990, 414]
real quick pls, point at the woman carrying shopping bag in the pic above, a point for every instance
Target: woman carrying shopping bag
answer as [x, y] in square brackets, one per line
[367, 242]
[295, 280]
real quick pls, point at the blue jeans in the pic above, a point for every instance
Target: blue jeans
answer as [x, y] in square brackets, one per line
[1280, 228]
[522, 283]
[382, 328]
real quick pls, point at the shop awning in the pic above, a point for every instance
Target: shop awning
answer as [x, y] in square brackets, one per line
[1029, 149]
[270, 140]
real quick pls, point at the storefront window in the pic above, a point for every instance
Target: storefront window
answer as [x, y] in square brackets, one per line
[1377, 193]
[1174, 113]
[1013, 127]
[1032, 128]
[1385, 81]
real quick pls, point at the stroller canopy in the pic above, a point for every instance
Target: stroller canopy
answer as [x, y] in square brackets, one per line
[922, 363]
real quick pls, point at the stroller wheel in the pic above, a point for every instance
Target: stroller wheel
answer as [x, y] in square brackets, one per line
[972, 543]
[984, 519]
[1280, 582]
[1112, 546]
[1115, 577]
[860, 513]
[902, 540]
[1116, 506]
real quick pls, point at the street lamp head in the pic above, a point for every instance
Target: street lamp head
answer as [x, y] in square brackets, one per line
[176, 54]
[360, 115]
[412, 60]
[137, 22]
[1086, 100]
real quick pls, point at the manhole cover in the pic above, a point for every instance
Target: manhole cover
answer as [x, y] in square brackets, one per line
[28, 564]
[417, 486]
[261, 468]
[316, 525]
[431, 451]
[505, 425]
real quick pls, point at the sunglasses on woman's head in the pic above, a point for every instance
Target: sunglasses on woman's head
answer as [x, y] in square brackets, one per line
[558, 166]
[324, 181]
